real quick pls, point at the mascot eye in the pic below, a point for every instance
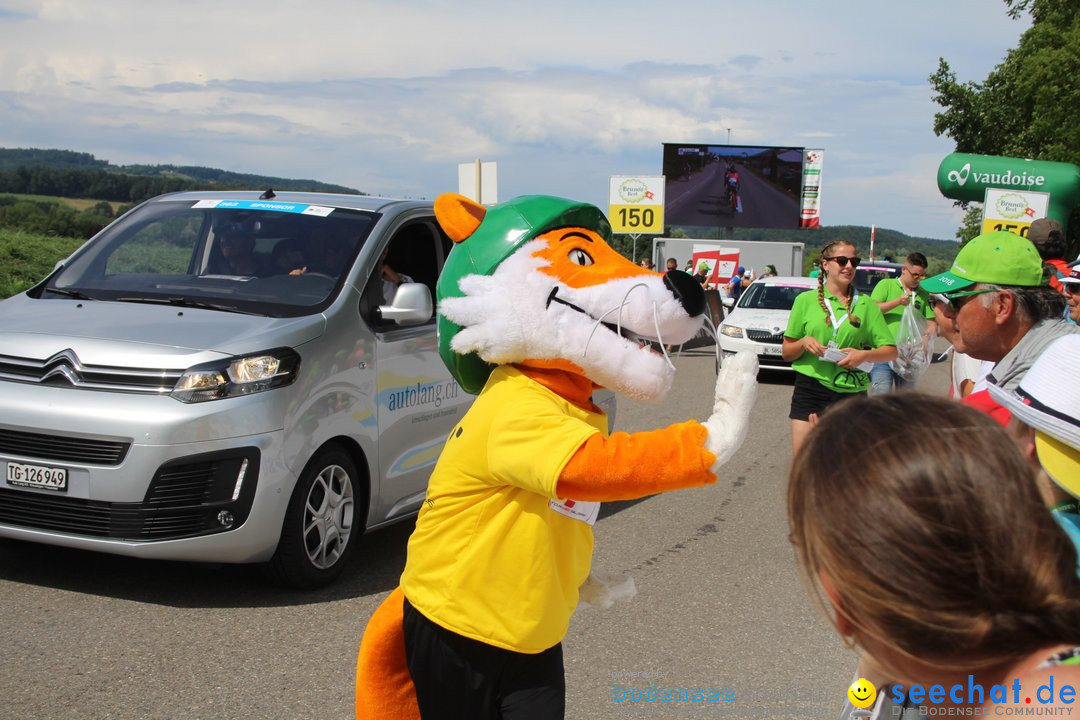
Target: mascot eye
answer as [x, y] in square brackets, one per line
[580, 257]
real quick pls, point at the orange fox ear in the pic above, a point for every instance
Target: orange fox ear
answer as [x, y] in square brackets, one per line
[458, 215]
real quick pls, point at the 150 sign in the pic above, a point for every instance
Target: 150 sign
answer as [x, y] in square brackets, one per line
[636, 204]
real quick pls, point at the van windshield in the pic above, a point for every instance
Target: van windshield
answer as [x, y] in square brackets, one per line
[276, 259]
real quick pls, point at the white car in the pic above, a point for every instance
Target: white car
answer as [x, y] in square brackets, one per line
[760, 317]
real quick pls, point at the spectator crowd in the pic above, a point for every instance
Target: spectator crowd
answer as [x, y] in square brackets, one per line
[940, 535]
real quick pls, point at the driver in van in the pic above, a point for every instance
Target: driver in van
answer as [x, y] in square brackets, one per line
[288, 258]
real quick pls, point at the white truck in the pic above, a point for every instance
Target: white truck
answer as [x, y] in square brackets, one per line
[756, 254]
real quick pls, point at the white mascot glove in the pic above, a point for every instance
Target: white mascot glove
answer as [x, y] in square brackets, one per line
[736, 390]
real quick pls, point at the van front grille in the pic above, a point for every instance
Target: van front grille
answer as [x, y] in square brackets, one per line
[185, 499]
[61, 448]
[64, 369]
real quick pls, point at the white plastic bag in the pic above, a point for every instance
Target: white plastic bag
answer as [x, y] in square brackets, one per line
[914, 344]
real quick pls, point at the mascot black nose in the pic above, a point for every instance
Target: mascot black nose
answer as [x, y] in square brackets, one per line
[688, 291]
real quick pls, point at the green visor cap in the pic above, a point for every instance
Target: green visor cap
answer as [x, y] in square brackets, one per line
[505, 227]
[996, 258]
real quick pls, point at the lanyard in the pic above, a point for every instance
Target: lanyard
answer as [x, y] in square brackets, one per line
[1070, 506]
[832, 315]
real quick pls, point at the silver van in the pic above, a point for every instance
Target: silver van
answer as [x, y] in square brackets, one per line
[229, 377]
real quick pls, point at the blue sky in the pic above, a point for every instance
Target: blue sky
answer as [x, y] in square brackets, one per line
[390, 96]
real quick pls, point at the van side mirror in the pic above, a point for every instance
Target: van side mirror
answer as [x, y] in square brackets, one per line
[412, 305]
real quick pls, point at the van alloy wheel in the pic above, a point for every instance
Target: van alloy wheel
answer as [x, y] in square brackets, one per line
[322, 523]
[328, 516]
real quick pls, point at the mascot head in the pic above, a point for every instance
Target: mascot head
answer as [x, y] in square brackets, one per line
[534, 281]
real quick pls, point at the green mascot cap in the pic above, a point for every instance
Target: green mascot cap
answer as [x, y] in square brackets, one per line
[483, 238]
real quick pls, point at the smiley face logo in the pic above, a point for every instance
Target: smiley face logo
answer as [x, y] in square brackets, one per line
[862, 693]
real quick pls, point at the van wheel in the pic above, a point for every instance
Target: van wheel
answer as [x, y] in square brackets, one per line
[320, 528]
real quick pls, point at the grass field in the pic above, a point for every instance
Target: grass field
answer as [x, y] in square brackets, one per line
[78, 204]
[26, 258]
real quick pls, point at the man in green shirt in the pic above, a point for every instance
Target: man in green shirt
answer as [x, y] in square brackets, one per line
[893, 295]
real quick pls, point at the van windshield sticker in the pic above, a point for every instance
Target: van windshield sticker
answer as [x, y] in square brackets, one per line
[298, 208]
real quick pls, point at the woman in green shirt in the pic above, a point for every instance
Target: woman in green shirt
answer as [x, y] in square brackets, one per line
[834, 335]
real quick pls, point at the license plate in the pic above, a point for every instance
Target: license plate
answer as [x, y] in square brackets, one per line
[37, 476]
[773, 349]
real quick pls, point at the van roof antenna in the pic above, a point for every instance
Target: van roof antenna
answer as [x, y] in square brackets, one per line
[268, 195]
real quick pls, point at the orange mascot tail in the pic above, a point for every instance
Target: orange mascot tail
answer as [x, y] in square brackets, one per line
[384, 687]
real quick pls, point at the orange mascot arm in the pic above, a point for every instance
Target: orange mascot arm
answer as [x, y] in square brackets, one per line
[625, 466]
[384, 687]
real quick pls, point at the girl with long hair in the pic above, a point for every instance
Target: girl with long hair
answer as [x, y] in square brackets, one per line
[833, 334]
[927, 544]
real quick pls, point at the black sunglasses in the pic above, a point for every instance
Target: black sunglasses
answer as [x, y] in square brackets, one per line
[842, 260]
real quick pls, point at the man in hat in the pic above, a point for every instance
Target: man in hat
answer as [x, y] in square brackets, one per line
[740, 281]
[1070, 286]
[1049, 239]
[1001, 309]
[1046, 425]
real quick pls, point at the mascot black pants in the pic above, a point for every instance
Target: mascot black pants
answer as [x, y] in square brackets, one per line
[458, 678]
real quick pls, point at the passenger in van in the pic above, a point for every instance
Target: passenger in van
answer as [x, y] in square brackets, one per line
[238, 250]
[391, 279]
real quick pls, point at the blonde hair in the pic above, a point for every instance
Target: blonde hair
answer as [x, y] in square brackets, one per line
[852, 317]
[932, 531]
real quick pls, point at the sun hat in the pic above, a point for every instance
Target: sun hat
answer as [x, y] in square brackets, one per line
[1048, 399]
[1040, 229]
[1060, 461]
[997, 258]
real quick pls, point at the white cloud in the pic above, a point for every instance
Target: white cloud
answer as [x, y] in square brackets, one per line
[388, 96]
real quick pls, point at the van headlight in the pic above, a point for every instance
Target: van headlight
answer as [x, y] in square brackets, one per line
[242, 375]
[732, 331]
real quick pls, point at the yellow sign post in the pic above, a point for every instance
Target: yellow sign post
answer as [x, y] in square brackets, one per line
[636, 204]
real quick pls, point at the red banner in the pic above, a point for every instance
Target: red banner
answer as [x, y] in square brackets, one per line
[719, 264]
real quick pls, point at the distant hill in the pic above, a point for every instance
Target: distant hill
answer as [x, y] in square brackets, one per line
[17, 165]
[859, 234]
[14, 158]
[886, 241]
[888, 244]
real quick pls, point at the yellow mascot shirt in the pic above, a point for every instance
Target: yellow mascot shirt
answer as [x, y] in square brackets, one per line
[489, 559]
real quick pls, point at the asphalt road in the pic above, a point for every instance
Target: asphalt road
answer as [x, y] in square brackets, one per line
[701, 200]
[719, 604]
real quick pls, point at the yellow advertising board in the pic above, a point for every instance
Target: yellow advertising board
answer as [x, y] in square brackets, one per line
[636, 204]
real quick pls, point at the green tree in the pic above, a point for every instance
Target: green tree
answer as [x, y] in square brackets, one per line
[971, 225]
[1026, 107]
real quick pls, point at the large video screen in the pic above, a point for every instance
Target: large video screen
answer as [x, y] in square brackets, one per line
[709, 187]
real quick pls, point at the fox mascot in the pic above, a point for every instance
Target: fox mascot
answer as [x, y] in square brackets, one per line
[536, 310]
